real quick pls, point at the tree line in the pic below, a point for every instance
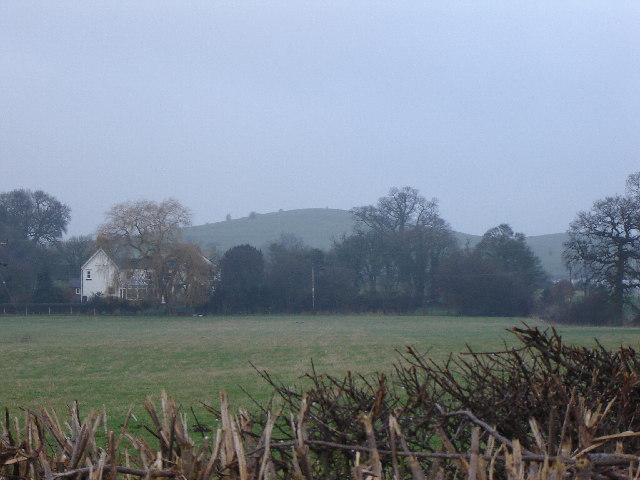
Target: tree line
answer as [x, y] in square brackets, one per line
[401, 257]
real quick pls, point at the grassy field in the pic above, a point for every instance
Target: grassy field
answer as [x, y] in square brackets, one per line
[117, 362]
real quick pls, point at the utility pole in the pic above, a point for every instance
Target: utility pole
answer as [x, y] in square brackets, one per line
[4, 244]
[313, 288]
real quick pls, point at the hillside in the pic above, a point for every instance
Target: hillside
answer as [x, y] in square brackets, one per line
[548, 248]
[318, 227]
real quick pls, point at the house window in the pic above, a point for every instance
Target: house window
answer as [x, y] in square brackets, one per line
[136, 293]
[88, 277]
[77, 291]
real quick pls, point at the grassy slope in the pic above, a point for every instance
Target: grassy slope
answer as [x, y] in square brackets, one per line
[318, 227]
[548, 248]
[117, 362]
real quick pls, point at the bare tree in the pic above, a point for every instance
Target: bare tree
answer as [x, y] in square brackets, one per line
[400, 209]
[633, 185]
[604, 244]
[413, 240]
[184, 276]
[74, 251]
[147, 234]
[145, 227]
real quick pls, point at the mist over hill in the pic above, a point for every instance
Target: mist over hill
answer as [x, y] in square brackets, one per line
[320, 227]
[317, 227]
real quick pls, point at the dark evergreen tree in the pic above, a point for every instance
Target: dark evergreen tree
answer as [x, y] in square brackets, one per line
[240, 286]
[510, 253]
[499, 277]
[290, 276]
[473, 285]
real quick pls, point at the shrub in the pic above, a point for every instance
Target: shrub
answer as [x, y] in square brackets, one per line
[594, 308]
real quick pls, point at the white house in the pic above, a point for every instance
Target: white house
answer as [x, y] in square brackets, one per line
[101, 276]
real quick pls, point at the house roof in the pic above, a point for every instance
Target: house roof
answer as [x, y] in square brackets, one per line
[97, 252]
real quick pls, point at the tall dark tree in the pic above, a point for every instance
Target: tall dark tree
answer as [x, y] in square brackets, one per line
[410, 240]
[604, 245]
[335, 287]
[290, 267]
[30, 223]
[499, 277]
[475, 285]
[36, 216]
[509, 251]
[364, 254]
[426, 247]
[241, 280]
[20, 261]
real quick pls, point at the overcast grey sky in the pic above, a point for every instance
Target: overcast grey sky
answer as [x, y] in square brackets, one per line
[506, 111]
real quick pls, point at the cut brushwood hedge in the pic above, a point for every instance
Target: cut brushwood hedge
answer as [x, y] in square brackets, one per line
[539, 411]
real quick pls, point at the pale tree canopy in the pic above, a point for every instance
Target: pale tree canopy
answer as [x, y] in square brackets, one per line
[146, 234]
[145, 227]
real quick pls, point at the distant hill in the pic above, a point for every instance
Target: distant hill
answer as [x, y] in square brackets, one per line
[548, 248]
[319, 227]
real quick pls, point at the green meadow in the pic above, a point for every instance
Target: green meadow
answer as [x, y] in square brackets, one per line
[115, 362]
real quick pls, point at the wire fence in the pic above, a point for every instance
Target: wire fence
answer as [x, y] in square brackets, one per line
[91, 308]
